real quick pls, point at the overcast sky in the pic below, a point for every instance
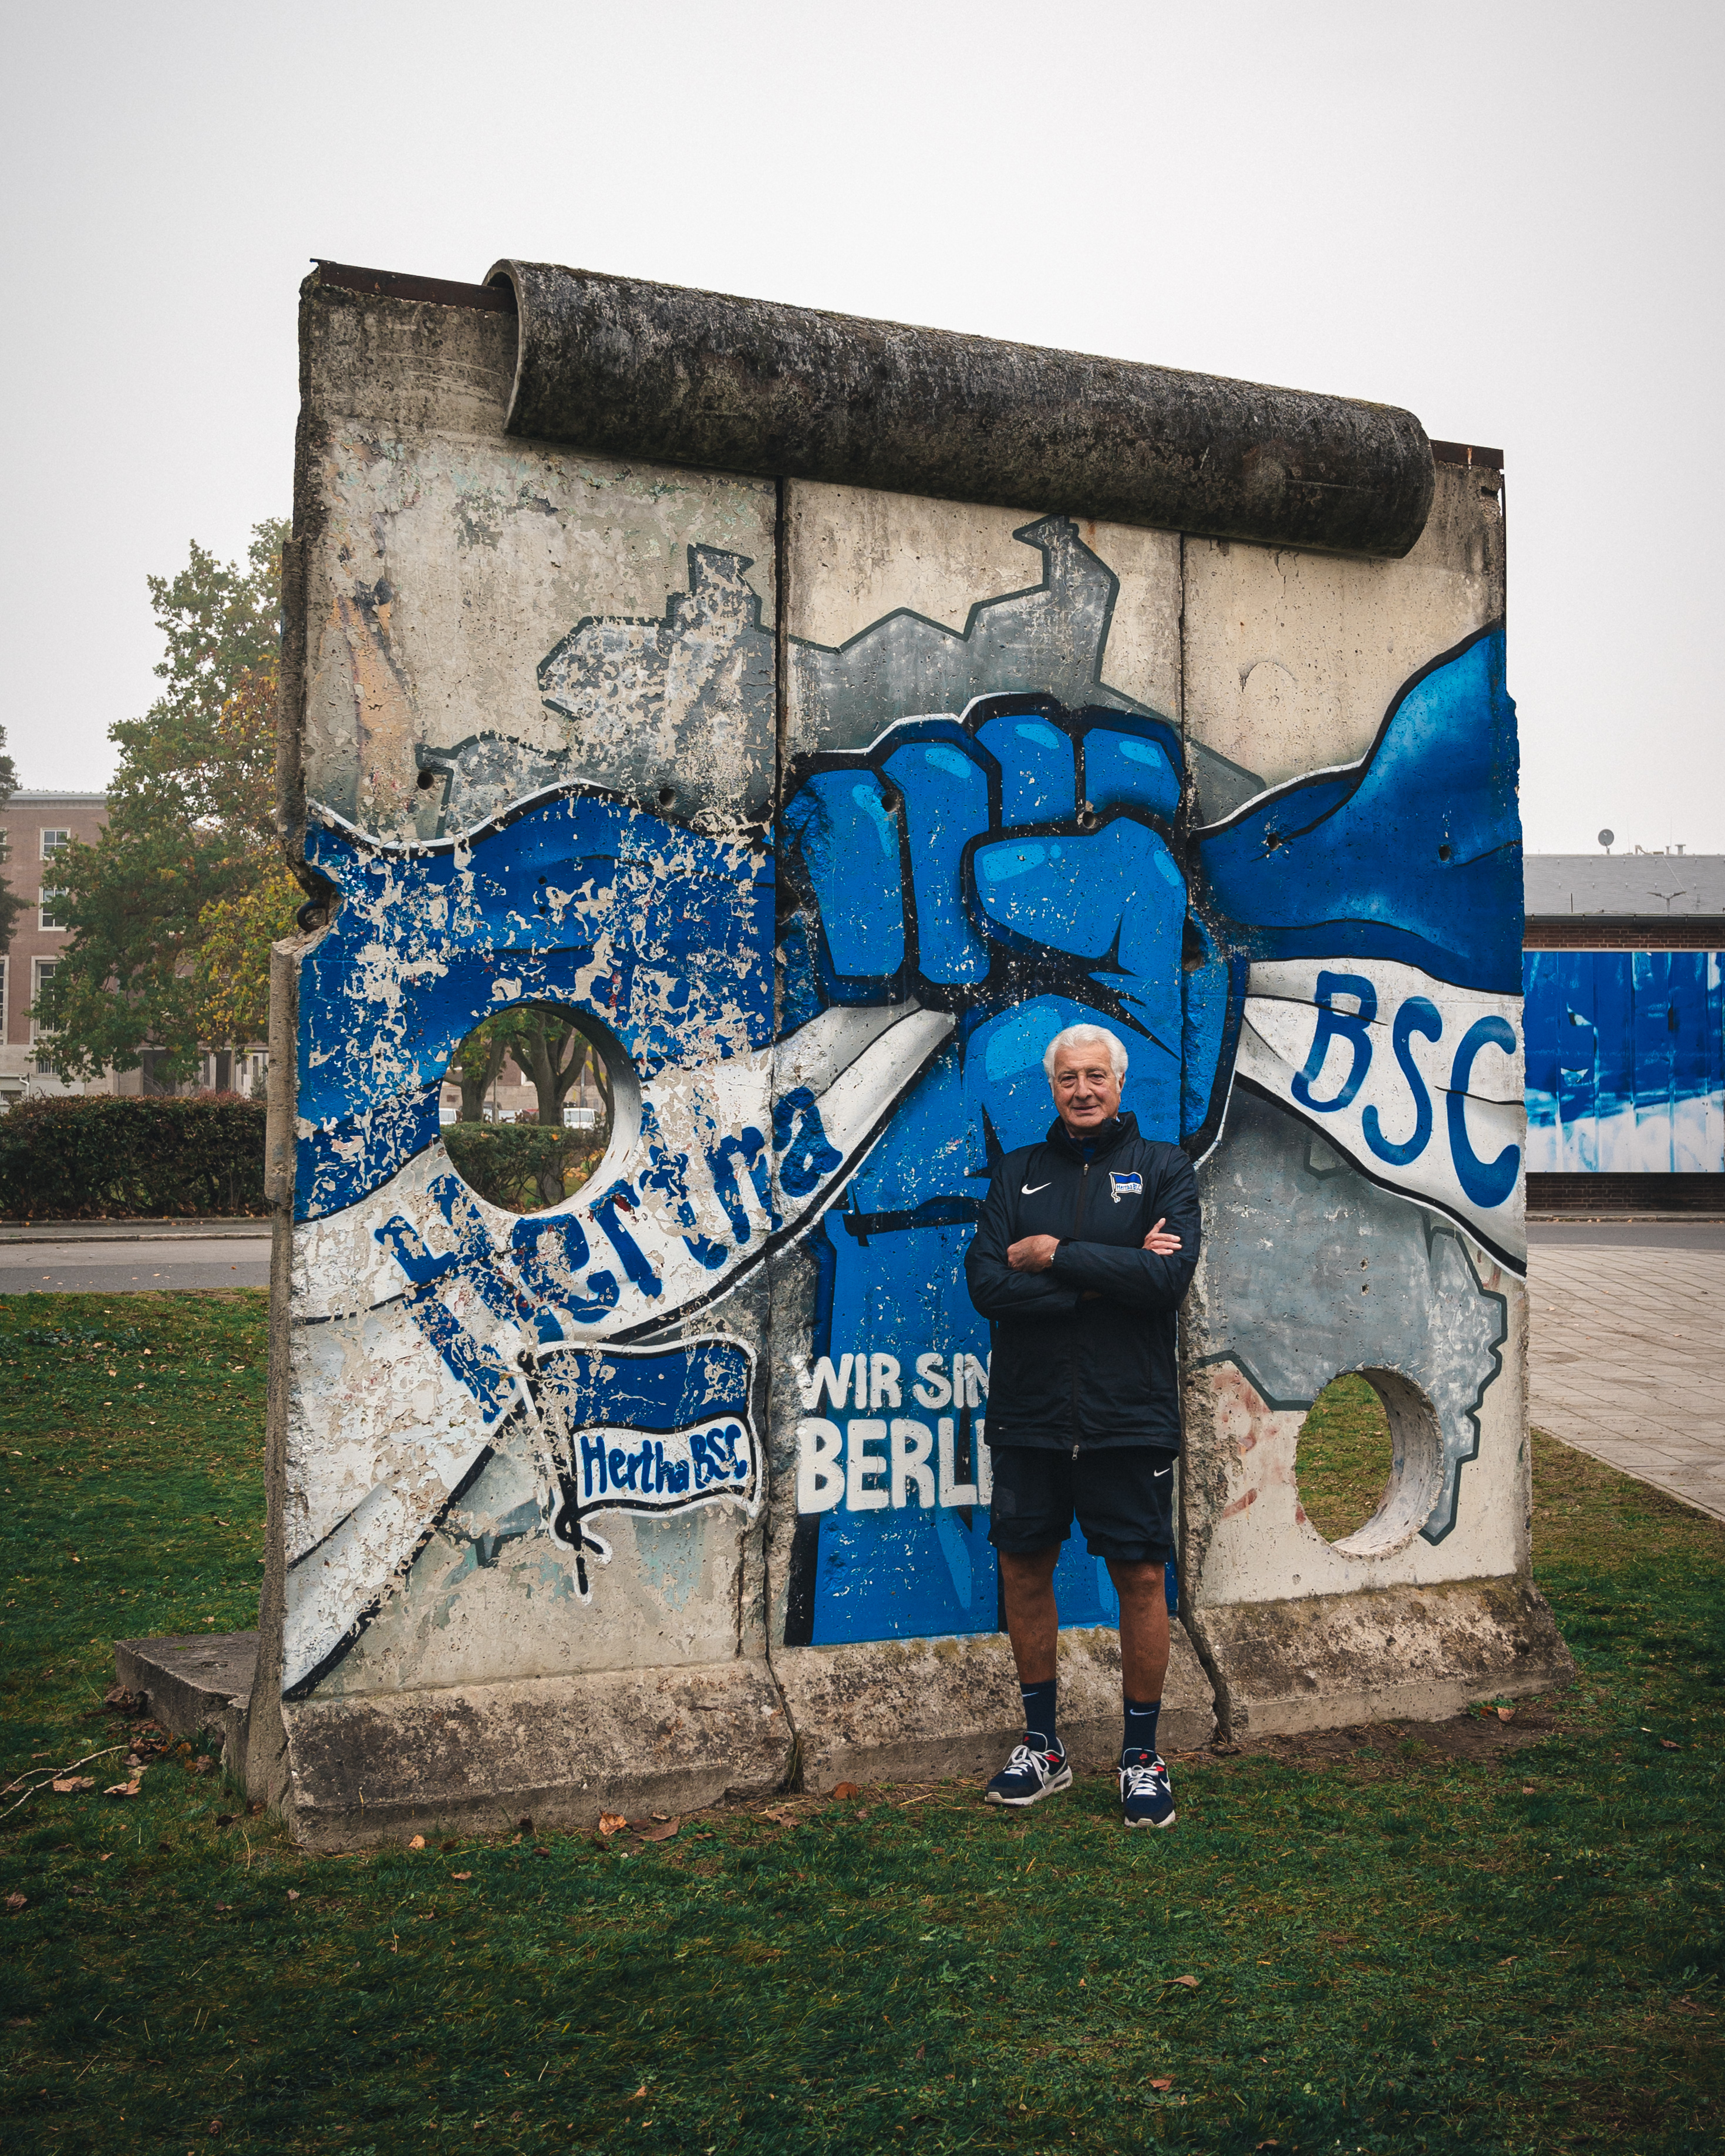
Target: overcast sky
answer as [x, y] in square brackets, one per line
[1505, 217]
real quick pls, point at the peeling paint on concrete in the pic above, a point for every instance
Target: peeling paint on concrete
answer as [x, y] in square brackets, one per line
[730, 1399]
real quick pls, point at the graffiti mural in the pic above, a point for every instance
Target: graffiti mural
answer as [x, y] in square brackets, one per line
[823, 1028]
[1626, 1062]
[1025, 865]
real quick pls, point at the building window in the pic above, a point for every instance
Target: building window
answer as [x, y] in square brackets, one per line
[55, 842]
[5, 845]
[43, 969]
[50, 902]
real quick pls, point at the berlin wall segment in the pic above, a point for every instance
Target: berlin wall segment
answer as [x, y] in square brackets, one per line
[686, 1481]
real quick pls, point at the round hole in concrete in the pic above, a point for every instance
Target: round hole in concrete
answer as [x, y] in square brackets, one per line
[533, 1102]
[1369, 1462]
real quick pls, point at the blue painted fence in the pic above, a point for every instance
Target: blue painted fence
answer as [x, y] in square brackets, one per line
[1626, 1062]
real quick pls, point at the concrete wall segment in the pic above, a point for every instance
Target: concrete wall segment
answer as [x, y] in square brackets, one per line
[867, 557]
[549, 696]
[487, 622]
[1291, 659]
[475, 596]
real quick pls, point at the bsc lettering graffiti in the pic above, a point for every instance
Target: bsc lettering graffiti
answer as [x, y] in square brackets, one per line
[1418, 1082]
[1486, 1182]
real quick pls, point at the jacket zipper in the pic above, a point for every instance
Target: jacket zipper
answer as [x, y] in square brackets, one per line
[1077, 1224]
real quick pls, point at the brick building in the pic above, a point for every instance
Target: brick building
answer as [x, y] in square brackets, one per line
[34, 827]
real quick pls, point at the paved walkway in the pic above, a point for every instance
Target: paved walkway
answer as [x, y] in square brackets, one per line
[118, 1257]
[1627, 1350]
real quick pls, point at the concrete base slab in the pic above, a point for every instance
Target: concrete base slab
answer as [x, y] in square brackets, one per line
[916, 1710]
[1421, 1652]
[198, 1686]
[561, 1750]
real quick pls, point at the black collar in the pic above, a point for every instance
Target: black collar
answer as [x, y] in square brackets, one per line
[1105, 1139]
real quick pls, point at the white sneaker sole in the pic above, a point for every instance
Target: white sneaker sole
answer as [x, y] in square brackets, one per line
[1063, 1780]
[1168, 1821]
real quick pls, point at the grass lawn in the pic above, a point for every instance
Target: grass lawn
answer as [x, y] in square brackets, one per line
[1478, 1936]
[1343, 1459]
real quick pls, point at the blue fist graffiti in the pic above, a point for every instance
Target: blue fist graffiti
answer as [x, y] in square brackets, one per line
[1021, 857]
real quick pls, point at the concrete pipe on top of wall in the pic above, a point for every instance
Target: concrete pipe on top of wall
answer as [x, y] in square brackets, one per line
[638, 369]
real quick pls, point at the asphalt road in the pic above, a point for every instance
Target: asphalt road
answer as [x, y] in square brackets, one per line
[97, 1264]
[115, 1257]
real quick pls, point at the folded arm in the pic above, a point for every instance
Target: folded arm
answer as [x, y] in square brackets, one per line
[1143, 1279]
[997, 1289]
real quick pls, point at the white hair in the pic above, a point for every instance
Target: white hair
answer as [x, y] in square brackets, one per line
[1074, 1036]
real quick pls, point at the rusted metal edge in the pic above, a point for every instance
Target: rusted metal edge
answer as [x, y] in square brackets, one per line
[1466, 453]
[439, 291]
[631, 368]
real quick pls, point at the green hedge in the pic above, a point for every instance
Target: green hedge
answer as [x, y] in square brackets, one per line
[522, 1166]
[95, 1155]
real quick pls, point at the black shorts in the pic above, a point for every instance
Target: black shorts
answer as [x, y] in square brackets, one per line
[1123, 1496]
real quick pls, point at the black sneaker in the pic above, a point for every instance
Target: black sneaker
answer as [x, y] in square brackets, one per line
[1146, 1794]
[1030, 1774]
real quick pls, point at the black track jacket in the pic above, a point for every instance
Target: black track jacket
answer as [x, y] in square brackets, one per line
[1070, 1371]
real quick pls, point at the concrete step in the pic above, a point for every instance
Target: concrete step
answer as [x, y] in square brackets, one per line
[199, 1685]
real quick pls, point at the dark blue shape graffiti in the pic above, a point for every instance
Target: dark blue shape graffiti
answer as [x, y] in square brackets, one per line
[579, 899]
[1415, 854]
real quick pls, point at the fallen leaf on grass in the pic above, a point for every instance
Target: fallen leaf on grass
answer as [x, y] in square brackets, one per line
[224, 1908]
[780, 1818]
[293, 1893]
[1162, 2084]
[123, 1789]
[461, 1875]
[611, 1822]
[1506, 1714]
[1667, 1745]
[15, 1901]
[846, 1789]
[70, 1785]
[1506, 1960]
[417, 1842]
[1528, 1789]
[658, 1833]
[1190, 1982]
[640, 2092]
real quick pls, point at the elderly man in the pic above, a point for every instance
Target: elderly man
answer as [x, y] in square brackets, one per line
[1086, 1246]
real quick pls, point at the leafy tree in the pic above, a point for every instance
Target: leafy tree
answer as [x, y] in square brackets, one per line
[553, 1052]
[478, 1061]
[11, 905]
[548, 1047]
[172, 909]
